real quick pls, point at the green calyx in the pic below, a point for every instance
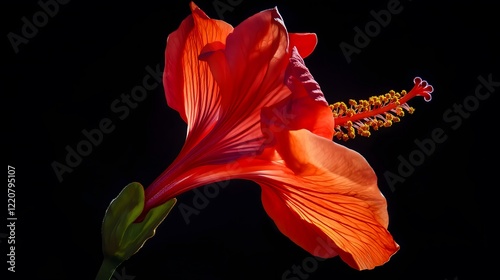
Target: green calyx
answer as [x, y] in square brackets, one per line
[122, 237]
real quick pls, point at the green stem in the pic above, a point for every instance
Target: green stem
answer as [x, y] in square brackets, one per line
[108, 267]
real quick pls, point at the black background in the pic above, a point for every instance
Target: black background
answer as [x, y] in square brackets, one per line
[66, 77]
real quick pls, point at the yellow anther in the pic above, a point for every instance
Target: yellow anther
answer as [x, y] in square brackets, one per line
[365, 133]
[351, 133]
[400, 112]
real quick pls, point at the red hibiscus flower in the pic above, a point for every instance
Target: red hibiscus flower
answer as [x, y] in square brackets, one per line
[254, 111]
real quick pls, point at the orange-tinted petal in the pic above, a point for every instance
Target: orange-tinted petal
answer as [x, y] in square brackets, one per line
[249, 70]
[304, 42]
[189, 86]
[329, 195]
[305, 108]
[245, 74]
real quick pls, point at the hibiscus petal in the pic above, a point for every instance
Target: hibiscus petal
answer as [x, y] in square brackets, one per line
[305, 108]
[249, 71]
[304, 42]
[329, 195]
[189, 86]
[255, 56]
